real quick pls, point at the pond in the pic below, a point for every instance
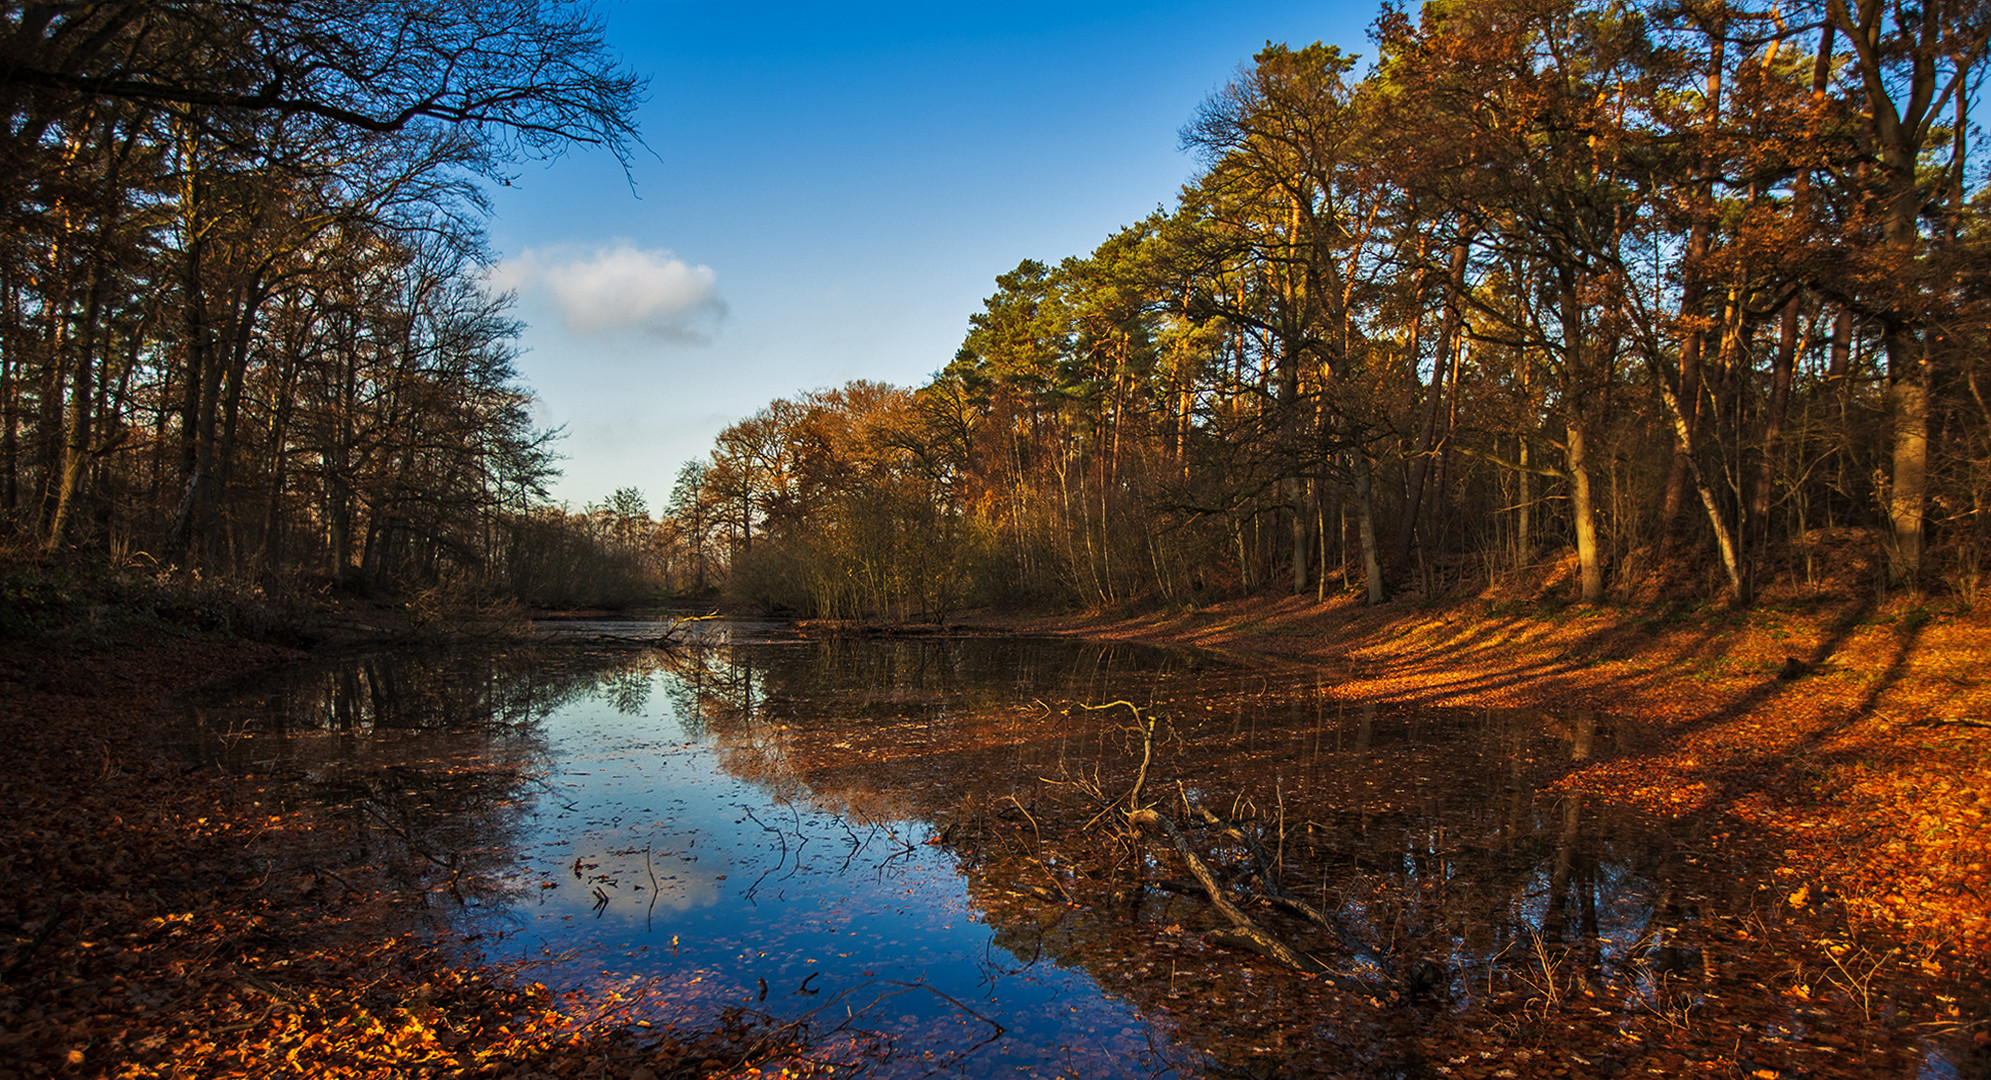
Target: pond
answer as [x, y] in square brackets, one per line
[907, 856]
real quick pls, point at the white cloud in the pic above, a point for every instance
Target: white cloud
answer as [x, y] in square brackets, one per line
[619, 287]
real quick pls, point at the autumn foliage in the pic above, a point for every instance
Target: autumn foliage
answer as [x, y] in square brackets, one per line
[1691, 292]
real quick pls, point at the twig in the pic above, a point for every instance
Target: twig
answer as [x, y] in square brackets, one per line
[650, 912]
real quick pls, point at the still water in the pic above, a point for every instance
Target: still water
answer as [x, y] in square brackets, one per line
[887, 844]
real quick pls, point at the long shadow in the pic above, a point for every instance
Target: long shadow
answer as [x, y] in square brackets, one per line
[1741, 781]
[1772, 767]
[1749, 775]
[1481, 643]
[1599, 642]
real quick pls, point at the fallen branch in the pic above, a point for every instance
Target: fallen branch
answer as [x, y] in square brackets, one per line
[1244, 933]
[1147, 729]
[1277, 896]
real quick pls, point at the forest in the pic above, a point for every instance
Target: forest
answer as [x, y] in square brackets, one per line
[244, 326]
[1651, 298]
[1551, 450]
[1670, 300]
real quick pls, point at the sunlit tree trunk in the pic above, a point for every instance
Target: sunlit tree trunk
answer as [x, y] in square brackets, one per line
[1582, 504]
[1589, 554]
[1898, 54]
[1683, 439]
[1909, 364]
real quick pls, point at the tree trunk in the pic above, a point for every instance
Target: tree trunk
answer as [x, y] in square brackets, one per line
[1296, 491]
[10, 428]
[48, 421]
[1575, 350]
[196, 336]
[1406, 530]
[1838, 380]
[1908, 401]
[231, 404]
[1783, 367]
[76, 448]
[1899, 53]
[1524, 508]
[1693, 341]
[1589, 556]
[1365, 525]
[1683, 442]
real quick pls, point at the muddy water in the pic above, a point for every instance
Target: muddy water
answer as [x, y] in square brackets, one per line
[898, 847]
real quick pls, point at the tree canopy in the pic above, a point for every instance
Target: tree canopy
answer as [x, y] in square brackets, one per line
[1674, 298]
[243, 320]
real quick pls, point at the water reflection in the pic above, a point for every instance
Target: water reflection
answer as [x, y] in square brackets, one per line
[887, 840]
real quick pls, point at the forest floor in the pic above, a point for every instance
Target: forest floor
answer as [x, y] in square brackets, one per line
[1849, 742]
[159, 920]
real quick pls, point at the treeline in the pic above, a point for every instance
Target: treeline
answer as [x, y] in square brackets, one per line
[243, 327]
[1692, 293]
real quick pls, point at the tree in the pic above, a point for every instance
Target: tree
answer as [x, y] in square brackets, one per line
[688, 511]
[242, 325]
[1533, 110]
[527, 77]
[1474, 288]
[1283, 195]
[1911, 67]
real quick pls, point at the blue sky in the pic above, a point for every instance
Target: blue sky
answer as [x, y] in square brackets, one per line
[832, 193]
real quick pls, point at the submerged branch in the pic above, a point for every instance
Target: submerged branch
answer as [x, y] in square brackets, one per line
[1277, 896]
[1244, 933]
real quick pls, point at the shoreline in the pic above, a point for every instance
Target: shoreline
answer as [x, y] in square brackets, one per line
[1848, 744]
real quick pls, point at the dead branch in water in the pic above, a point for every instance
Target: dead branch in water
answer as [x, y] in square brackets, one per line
[673, 634]
[1243, 933]
[1145, 725]
[1246, 933]
[1277, 895]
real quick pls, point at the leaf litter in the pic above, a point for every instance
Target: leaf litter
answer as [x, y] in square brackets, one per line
[163, 923]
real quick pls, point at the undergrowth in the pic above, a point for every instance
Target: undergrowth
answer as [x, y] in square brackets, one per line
[92, 599]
